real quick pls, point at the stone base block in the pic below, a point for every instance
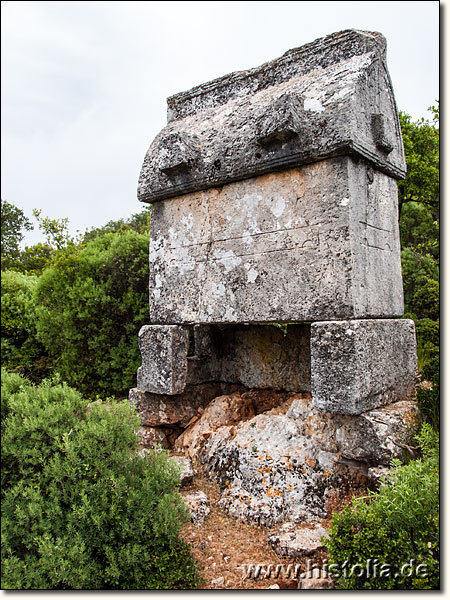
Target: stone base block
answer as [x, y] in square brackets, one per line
[164, 350]
[360, 365]
[158, 410]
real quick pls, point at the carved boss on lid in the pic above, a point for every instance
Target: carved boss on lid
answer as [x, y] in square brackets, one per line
[328, 98]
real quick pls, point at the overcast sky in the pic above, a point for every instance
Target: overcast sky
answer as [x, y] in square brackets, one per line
[84, 84]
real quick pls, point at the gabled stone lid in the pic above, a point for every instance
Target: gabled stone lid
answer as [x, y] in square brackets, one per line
[331, 97]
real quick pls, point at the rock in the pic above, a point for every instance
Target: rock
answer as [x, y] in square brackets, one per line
[164, 359]
[175, 411]
[375, 437]
[267, 471]
[305, 201]
[316, 579]
[226, 410]
[153, 436]
[218, 582]
[228, 274]
[376, 475]
[187, 470]
[278, 465]
[372, 437]
[198, 506]
[295, 542]
[359, 365]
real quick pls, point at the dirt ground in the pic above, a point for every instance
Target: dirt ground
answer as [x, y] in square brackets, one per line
[225, 546]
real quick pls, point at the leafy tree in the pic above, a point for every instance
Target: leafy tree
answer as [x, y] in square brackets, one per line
[92, 302]
[13, 223]
[21, 349]
[419, 234]
[139, 222]
[421, 143]
[56, 231]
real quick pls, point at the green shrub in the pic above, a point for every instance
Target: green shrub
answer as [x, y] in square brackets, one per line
[21, 349]
[417, 269]
[80, 508]
[92, 303]
[397, 524]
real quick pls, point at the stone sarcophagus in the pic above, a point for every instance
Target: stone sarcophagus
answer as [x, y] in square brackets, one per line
[274, 200]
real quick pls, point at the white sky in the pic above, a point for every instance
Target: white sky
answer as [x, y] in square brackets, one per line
[84, 84]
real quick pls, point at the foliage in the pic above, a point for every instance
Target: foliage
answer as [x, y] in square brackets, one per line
[21, 349]
[419, 233]
[80, 508]
[398, 523]
[33, 259]
[139, 222]
[419, 230]
[92, 302]
[56, 231]
[417, 269]
[13, 223]
[421, 143]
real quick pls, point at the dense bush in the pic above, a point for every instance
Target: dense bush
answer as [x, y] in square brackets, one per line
[92, 302]
[398, 523]
[80, 508]
[21, 349]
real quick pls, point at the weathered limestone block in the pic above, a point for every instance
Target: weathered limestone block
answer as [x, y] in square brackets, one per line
[152, 437]
[360, 365]
[302, 245]
[167, 410]
[279, 465]
[267, 472]
[186, 469]
[164, 350]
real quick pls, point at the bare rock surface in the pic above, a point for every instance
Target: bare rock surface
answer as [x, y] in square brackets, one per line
[226, 410]
[152, 437]
[166, 410]
[372, 437]
[277, 466]
[293, 541]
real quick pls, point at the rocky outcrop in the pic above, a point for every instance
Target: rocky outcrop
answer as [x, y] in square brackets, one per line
[226, 410]
[164, 416]
[278, 465]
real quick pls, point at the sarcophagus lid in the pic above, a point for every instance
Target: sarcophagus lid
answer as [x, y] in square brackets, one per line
[332, 97]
